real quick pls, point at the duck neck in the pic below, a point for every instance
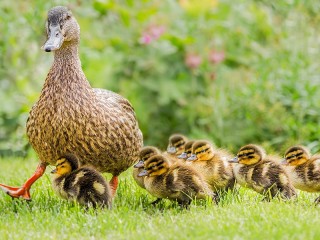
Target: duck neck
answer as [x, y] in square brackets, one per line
[67, 56]
[66, 71]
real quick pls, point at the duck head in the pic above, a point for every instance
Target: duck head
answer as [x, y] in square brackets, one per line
[296, 155]
[176, 143]
[249, 154]
[62, 28]
[155, 166]
[66, 165]
[145, 153]
[201, 151]
[187, 150]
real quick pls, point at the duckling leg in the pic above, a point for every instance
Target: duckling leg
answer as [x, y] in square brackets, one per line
[24, 190]
[114, 185]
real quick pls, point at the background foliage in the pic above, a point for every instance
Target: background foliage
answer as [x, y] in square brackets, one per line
[232, 73]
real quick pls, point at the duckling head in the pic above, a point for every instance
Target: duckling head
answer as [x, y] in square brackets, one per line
[176, 143]
[62, 28]
[66, 165]
[201, 151]
[155, 166]
[145, 153]
[249, 154]
[296, 155]
[187, 150]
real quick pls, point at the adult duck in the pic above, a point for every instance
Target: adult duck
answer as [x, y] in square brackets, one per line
[98, 126]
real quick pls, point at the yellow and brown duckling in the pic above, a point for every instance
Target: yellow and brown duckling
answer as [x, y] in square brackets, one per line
[256, 171]
[303, 169]
[97, 125]
[187, 150]
[213, 165]
[82, 184]
[176, 181]
[176, 144]
[145, 153]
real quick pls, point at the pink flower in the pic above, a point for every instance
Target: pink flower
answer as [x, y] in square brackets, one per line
[156, 31]
[216, 57]
[145, 39]
[151, 34]
[192, 60]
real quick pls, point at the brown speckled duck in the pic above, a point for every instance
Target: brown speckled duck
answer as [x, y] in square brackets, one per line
[98, 126]
[303, 169]
[255, 170]
[82, 184]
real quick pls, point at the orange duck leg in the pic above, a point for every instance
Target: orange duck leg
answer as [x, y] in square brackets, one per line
[114, 185]
[24, 190]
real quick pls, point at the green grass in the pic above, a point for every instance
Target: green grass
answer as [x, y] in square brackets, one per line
[243, 216]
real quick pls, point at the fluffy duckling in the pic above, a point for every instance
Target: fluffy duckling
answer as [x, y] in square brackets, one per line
[176, 144]
[145, 153]
[213, 165]
[303, 169]
[187, 150]
[176, 182]
[83, 184]
[256, 171]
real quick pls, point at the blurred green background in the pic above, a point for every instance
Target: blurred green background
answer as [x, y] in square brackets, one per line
[230, 71]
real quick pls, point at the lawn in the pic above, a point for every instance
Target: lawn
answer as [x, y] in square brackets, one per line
[239, 216]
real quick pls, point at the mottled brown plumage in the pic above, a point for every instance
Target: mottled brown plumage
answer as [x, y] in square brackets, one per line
[256, 171]
[213, 165]
[303, 169]
[176, 182]
[82, 184]
[97, 125]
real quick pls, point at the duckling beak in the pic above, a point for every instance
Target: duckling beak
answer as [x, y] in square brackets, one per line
[171, 150]
[234, 160]
[284, 162]
[143, 173]
[140, 164]
[55, 39]
[54, 171]
[192, 157]
[183, 155]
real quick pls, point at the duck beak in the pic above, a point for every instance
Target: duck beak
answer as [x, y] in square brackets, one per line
[192, 157]
[54, 171]
[171, 150]
[183, 155]
[143, 173]
[55, 39]
[284, 162]
[140, 164]
[234, 160]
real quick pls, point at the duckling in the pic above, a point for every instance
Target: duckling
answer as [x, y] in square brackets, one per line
[303, 169]
[82, 184]
[176, 144]
[256, 171]
[213, 165]
[176, 182]
[187, 150]
[97, 125]
[145, 153]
